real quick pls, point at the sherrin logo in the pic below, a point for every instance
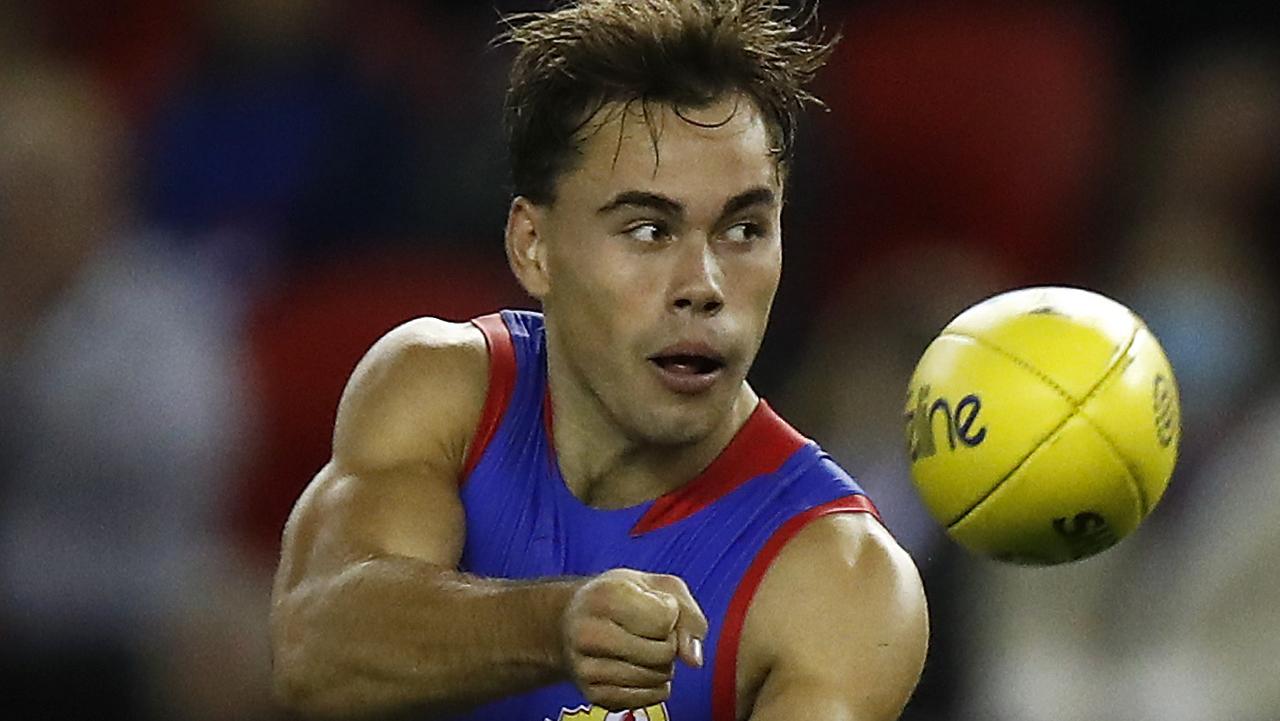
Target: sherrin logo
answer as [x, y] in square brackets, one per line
[595, 713]
[961, 423]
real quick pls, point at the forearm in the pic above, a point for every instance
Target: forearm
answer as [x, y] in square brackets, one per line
[396, 633]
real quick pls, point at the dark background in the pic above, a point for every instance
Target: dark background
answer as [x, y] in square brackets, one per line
[209, 210]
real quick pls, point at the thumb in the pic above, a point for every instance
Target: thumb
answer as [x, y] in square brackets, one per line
[691, 628]
[691, 623]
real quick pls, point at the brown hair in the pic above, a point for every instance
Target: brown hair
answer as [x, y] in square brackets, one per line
[574, 60]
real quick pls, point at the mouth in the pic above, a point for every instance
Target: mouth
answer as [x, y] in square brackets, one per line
[688, 370]
[686, 364]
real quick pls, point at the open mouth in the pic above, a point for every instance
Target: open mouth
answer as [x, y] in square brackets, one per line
[688, 364]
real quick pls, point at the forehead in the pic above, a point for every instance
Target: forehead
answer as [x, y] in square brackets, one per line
[717, 150]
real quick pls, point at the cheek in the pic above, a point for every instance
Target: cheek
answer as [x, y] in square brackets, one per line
[775, 272]
[605, 273]
[600, 294]
[599, 282]
[759, 276]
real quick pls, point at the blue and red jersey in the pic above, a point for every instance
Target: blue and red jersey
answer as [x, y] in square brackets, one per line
[719, 532]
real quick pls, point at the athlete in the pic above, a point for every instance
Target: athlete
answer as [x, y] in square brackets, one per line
[588, 513]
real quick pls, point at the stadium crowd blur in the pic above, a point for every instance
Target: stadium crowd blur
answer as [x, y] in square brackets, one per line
[209, 209]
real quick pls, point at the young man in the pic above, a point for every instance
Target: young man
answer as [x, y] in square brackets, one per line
[588, 513]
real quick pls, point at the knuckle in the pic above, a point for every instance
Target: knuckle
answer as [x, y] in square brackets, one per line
[587, 670]
[698, 624]
[605, 696]
[662, 603]
[672, 583]
[622, 574]
[661, 656]
[654, 677]
[670, 649]
[671, 607]
[593, 693]
[614, 699]
[594, 597]
[586, 635]
[613, 598]
[617, 602]
[645, 676]
[601, 640]
[676, 588]
[650, 696]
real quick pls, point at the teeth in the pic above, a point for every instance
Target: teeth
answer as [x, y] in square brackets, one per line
[688, 364]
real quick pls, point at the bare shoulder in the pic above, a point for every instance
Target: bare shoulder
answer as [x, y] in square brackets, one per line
[841, 618]
[417, 394]
[853, 549]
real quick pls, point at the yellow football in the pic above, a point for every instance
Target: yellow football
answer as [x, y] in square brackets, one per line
[1042, 425]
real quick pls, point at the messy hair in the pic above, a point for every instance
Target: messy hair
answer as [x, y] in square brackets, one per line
[576, 59]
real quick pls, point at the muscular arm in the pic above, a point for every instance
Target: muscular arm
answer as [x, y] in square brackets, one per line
[369, 613]
[838, 629]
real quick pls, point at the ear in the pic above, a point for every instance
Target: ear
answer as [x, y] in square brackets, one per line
[526, 246]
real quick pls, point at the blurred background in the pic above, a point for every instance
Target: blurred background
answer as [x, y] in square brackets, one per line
[209, 209]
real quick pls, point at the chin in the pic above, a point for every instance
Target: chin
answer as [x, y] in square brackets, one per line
[673, 435]
[683, 423]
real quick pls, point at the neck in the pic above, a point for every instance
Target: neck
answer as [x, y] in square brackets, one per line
[607, 466]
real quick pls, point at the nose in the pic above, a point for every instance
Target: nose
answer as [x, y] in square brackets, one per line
[697, 282]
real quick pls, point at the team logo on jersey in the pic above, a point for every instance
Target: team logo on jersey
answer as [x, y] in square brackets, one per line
[595, 713]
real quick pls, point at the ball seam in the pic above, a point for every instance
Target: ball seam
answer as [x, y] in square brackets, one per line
[1021, 363]
[1075, 410]
[1143, 504]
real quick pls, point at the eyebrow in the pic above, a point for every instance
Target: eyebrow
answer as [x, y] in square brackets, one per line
[759, 195]
[642, 199]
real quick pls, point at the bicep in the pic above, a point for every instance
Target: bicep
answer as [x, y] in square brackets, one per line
[391, 488]
[345, 517]
[851, 644]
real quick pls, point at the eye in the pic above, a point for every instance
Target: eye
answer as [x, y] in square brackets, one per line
[647, 232]
[744, 232]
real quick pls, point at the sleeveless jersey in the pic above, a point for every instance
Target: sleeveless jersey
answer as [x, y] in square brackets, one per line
[719, 532]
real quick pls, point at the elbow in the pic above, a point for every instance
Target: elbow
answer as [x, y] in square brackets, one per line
[303, 692]
[312, 678]
[325, 667]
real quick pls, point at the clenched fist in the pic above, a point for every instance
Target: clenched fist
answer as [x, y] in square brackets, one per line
[622, 632]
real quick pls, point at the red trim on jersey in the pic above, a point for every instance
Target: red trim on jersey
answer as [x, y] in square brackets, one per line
[724, 679]
[761, 446]
[547, 423]
[502, 382]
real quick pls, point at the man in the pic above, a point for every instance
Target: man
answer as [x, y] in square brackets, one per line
[535, 516]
